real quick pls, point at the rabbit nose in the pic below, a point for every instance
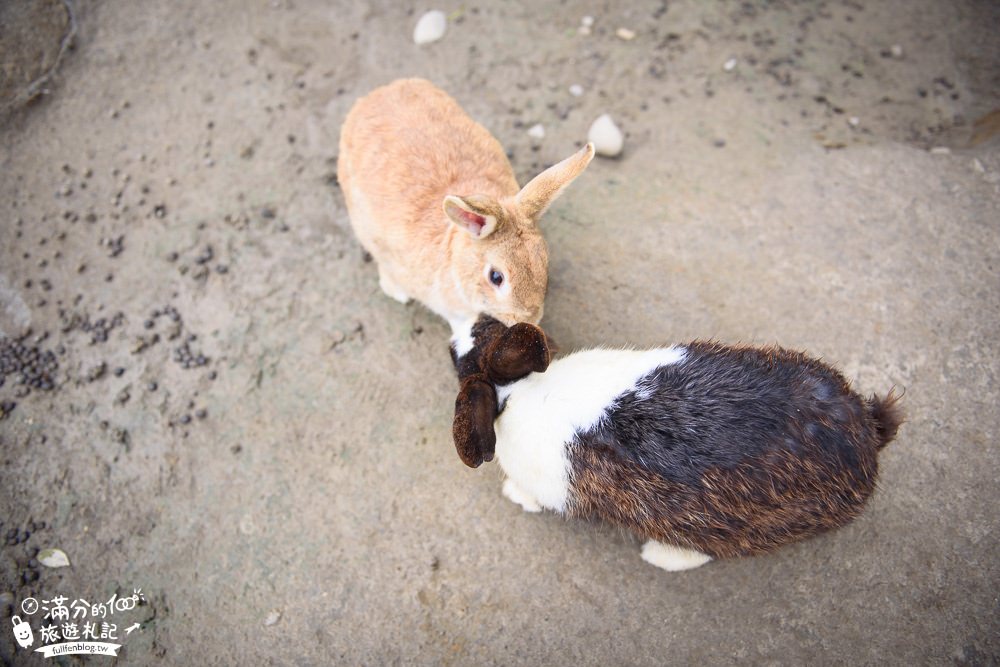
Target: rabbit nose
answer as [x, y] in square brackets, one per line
[529, 316]
[508, 320]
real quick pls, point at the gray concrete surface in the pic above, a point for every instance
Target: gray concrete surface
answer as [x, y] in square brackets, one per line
[321, 489]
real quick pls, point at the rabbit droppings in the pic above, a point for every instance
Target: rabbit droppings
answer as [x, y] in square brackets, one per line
[705, 450]
[432, 196]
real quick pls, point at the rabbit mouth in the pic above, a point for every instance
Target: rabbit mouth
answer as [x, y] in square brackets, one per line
[511, 318]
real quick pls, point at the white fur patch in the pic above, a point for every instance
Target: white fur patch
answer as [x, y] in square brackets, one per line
[516, 495]
[545, 410]
[671, 558]
[461, 336]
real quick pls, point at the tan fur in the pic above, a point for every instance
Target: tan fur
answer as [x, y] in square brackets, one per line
[407, 146]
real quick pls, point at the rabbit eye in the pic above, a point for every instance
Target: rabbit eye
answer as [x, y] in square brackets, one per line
[496, 277]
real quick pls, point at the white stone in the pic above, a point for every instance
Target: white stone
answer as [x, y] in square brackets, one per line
[587, 21]
[247, 526]
[854, 121]
[896, 50]
[608, 140]
[625, 34]
[53, 558]
[273, 617]
[940, 150]
[536, 131]
[576, 90]
[430, 27]
[729, 65]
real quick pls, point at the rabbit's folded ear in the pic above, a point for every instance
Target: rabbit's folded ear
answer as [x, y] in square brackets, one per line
[543, 189]
[472, 428]
[476, 214]
[520, 350]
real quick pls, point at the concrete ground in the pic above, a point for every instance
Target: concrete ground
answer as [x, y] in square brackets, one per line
[283, 487]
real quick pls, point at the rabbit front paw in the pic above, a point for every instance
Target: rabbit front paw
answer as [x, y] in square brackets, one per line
[515, 494]
[391, 289]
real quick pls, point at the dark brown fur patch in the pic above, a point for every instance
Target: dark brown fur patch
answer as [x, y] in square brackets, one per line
[484, 332]
[520, 350]
[750, 509]
[472, 427]
[888, 416]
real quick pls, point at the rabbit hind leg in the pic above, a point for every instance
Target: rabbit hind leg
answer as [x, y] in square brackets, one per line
[671, 558]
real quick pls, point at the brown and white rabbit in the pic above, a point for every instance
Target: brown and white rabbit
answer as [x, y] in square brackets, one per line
[705, 450]
[431, 195]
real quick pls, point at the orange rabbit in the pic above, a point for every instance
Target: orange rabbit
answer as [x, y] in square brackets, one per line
[431, 195]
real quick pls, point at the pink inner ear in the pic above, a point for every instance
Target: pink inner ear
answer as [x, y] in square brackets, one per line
[474, 222]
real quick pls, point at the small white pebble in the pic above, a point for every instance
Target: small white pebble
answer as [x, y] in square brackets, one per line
[940, 150]
[896, 50]
[587, 21]
[606, 137]
[625, 34]
[273, 617]
[729, 65]
[576, 90]
[978, 166]
[53, 558]
[430, 27]
[537, 131]
[853, 121]
[247, 526]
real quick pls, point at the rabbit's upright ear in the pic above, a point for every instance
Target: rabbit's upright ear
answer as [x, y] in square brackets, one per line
[472, 428]
[520, 350]
[543, 189]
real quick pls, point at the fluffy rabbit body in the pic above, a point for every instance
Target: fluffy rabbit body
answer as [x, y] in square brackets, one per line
[432, 196]
[704, 450]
